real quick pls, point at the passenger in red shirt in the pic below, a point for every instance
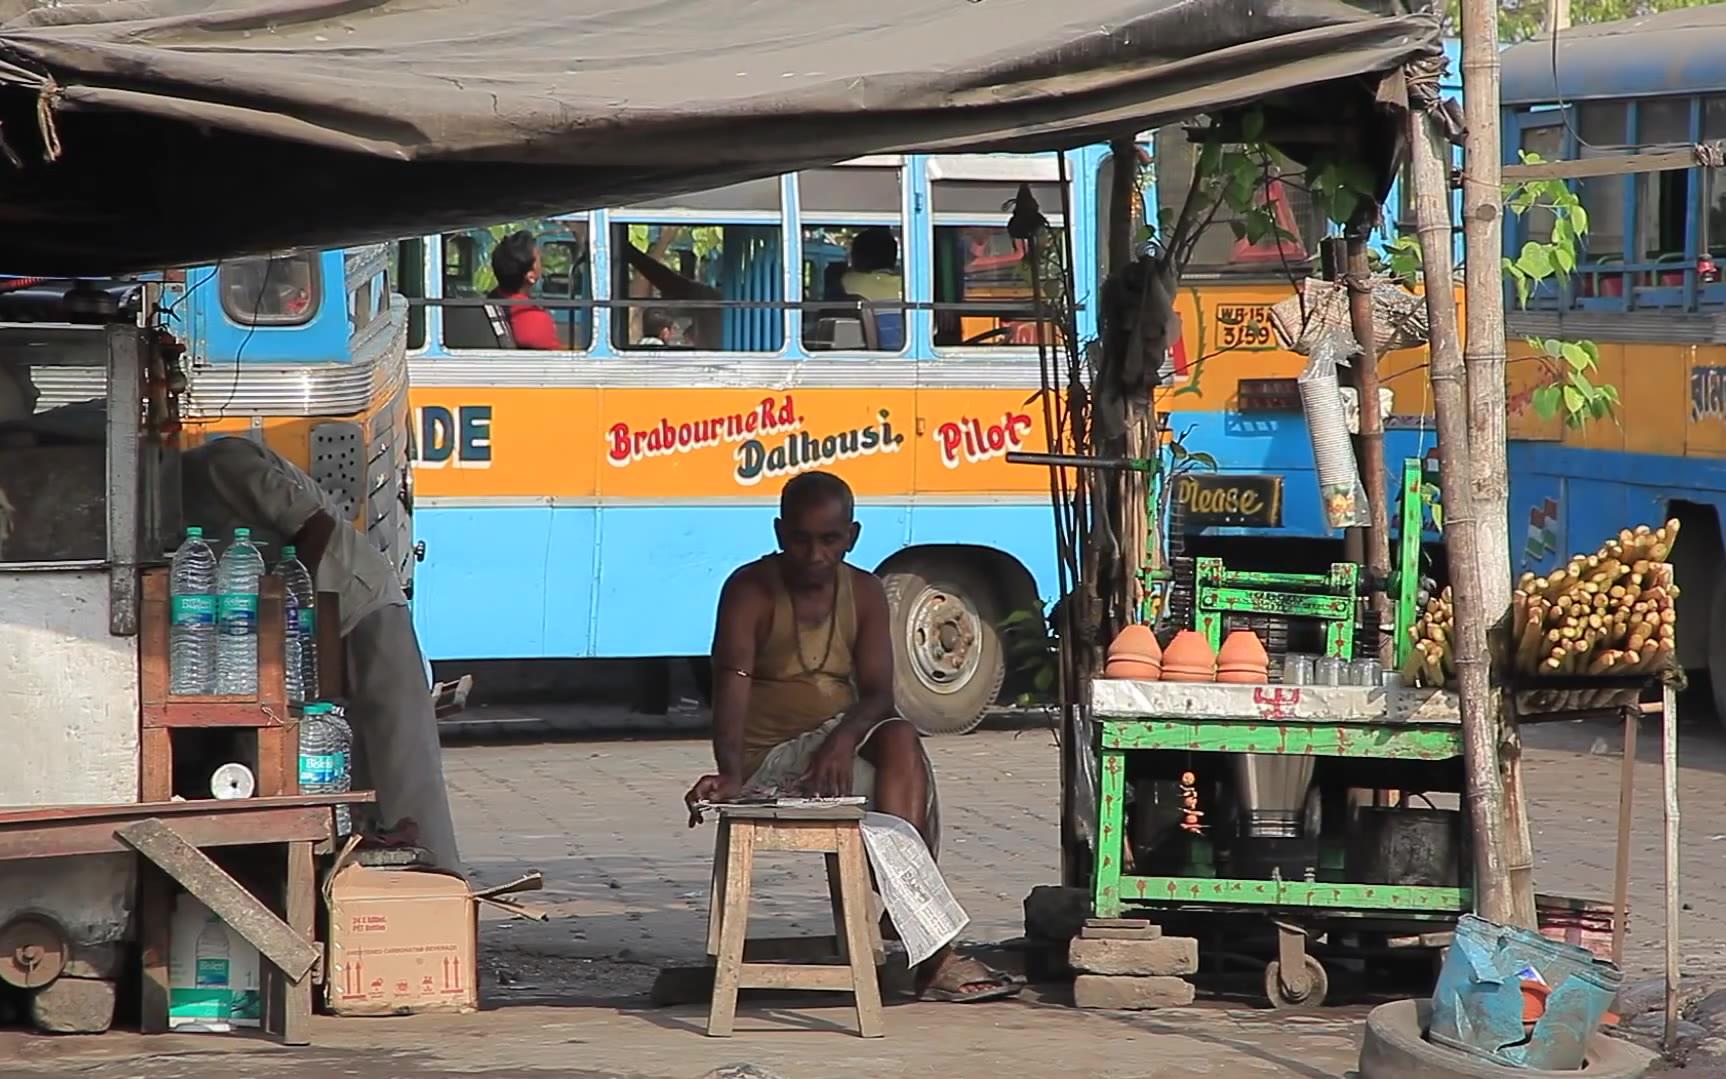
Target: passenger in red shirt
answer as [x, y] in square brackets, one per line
[515, 261]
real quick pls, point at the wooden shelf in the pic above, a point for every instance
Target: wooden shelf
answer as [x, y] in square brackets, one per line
[266, 712]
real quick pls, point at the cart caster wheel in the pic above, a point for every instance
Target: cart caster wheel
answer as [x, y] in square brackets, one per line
[1318, 984]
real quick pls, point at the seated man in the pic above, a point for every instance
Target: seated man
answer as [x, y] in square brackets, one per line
[803, 692]
[874, 276]
[515, 262]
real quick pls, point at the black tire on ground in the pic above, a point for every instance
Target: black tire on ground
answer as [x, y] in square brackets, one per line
[948, 656]
[1318, 986]
[1395, 1049]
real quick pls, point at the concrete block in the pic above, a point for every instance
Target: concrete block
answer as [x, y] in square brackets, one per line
[73, 1006]
[102, 961]
[1120, 929]
[1145, 958]
[1126, 993]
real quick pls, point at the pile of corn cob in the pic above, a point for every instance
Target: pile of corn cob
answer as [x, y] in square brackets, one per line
[1610, 613]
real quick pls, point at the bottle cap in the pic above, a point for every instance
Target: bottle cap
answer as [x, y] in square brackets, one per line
[242, 533]
[316, 708]
[287, 552]
[194, 532]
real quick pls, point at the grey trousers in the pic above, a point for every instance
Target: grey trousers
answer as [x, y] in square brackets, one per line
[396, 750]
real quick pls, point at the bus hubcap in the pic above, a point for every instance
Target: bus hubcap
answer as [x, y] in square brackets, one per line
[944, 631]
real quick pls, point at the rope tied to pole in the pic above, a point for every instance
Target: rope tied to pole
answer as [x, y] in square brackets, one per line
[1425, 78]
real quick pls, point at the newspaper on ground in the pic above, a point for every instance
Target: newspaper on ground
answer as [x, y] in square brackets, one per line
[923, 910]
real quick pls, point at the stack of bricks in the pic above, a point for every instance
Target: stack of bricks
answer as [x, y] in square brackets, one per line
[1127, 963]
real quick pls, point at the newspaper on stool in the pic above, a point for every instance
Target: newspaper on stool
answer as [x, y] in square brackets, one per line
[923, 909]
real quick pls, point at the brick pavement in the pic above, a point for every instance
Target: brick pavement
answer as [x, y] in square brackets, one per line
[606, 824]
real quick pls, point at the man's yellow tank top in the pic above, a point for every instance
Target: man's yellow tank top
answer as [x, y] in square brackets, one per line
[803, 674]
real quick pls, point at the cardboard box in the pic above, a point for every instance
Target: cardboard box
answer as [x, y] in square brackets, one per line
[212, 972]
[403, 941]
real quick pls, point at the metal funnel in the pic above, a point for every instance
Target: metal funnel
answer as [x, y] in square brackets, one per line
[1273, 793]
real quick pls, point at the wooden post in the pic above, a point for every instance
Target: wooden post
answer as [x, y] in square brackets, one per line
[1428, 181]
[1123, 198]
[1483, 242]
[1371, 441]
[1621, 864]
[1669, 826]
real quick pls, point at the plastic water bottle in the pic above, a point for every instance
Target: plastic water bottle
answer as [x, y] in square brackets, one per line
[326, 748]
[300, 605]
[211, 955]
[237, 616]
[192, 617]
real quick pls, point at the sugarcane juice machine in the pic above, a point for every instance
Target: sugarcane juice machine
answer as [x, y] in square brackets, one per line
[1223, 803]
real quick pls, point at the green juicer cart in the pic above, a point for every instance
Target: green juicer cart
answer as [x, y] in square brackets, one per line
[1243, 815]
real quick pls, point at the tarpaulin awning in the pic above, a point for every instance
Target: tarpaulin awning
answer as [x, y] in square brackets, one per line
[150, 133]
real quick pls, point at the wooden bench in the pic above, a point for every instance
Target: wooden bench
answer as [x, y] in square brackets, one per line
[835, 832]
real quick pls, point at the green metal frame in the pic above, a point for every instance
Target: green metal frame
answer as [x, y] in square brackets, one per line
[1114, 890]
[1328, 598]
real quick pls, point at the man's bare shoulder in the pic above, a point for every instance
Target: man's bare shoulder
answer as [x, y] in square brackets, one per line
[749, 582]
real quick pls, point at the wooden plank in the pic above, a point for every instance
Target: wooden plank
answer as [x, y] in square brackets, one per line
[292, 954]
[814, 837]
[72, 837]
[153, 624]
[140, 810]
[1118, 699]
[272, 677]
[1608, 165]
[278, 760]
[733, 928]
[791, 813]
[332, 658]
[716, 897]
[796, 976]
[155, 923]
[1669, 826]
[301, 906]
[854, 886]
[213, 712]
[155, 765]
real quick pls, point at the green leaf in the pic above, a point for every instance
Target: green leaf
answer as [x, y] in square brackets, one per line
[1017, 617]
[1438, 516]
[1204, 460]
[1178, 451]
[1535, 261]
[1573, 399]
[1545, 402]
[1523, 287]
[1593, 351]
[1342, 205]
[1565, 259]
[1239, 228]
[1576, 356]
[1582, 384]
[1253, 126]
[1044, 680]
[1210, 158]
[1578, 217]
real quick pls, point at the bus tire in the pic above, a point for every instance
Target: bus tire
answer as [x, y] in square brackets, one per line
[949, 658]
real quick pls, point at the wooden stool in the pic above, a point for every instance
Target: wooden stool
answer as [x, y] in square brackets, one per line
[837, 833]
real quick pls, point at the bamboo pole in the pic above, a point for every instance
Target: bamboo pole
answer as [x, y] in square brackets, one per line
[1372, 463]
[1428, 181]
[1669, 824]
[1621, 864]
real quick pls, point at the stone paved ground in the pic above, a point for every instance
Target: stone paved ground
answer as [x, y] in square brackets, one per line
[626, 883]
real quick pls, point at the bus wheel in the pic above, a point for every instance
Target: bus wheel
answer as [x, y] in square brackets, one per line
[948, 656]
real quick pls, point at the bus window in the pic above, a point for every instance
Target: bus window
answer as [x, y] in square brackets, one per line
[852, 249]
[275, 290]
[1547, 142]
[721, 248]
[407, 275]
[1218, 249]
[1714, 183]
[1664, 197]
[977, 263]
[467, 275]
[1601, 128]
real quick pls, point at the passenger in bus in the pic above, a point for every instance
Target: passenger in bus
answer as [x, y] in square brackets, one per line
[236, 483]
[657, 330]
[803, 693]
[516, 264]
[874, 271]
[709, 322]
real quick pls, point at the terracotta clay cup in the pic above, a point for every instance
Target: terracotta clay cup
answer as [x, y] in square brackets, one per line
[1242, 660]
[1134, 654]
[1189, 658]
